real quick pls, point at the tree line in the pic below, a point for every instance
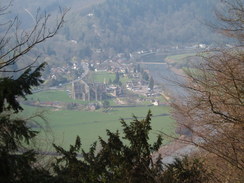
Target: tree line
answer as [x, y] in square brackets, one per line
[212, 111]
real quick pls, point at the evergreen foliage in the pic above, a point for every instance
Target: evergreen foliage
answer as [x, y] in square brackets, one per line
[126, 159]
[106, 104]
[151, 83]
[123, 159]
[117, 78]
[119, 159]
[11, 88]
[186, 171]
[145, 75]
[18, 162]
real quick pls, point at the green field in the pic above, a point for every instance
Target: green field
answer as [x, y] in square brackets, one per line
[103, 76]
[53, 96]
[179, 58]
[65, 125]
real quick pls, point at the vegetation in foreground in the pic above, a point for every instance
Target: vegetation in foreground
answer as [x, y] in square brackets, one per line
[19, 163]
[213, 112]
[133, 162]
[66, 124]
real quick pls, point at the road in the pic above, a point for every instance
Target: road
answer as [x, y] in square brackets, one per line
[152, 63]
[86, 71]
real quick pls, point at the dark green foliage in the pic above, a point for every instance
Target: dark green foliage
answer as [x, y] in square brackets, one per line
[11, 88]
[13, 164]
[117, 78]
[17, 161]
[13, 133]
[117, 160]
[126, 159]
[106, 104]
[186, 171]
[145, 76]
[19, 168]
[151, 83]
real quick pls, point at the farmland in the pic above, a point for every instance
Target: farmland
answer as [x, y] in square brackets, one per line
[65, 125]
[179, 58]
[103, 76]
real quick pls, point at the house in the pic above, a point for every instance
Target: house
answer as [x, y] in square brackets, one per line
[155, 102]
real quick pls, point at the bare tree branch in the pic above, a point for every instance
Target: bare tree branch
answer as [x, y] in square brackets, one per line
[24, 41]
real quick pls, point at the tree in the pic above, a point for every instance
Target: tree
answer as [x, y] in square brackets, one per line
[213, 109]
[145, 75]
[231, 16]
[128, 159]
[186, 170]
[116, 161]
[17, 161]
[110, 81]
[151, 83]
[106, 104]
[117, 78]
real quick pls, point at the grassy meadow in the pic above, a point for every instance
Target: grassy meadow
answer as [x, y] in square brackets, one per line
[103, 76]
[52, 95]
[65, 125]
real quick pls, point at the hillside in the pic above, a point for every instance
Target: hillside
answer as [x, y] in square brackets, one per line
[102, 28]
[124, 26]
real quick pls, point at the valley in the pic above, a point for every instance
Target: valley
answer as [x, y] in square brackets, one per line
[68, 116]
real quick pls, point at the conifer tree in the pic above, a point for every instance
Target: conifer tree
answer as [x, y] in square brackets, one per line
[126, 159]
[17, 161]
[151, 83]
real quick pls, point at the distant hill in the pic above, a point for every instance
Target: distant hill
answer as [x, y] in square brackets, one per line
[129, 25]
[49, 6]
[103, 28]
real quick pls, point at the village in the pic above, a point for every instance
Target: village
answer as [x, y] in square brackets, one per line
[120, 80]
[96, 83]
